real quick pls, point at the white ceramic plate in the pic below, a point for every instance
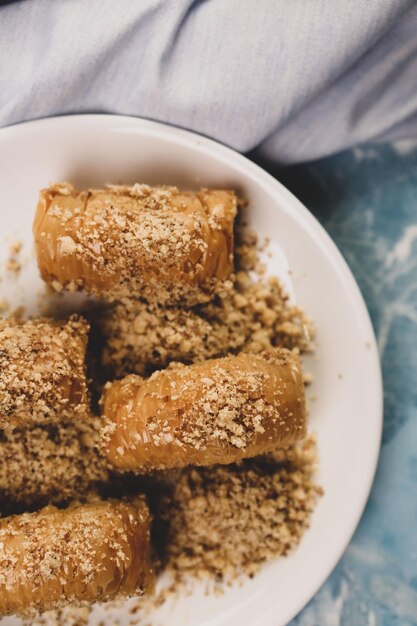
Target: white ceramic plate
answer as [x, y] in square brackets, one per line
[347, 413]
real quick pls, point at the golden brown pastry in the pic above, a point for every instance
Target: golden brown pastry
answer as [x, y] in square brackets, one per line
[42, 370]
[218, 411]
[85, 553]
[157, 242]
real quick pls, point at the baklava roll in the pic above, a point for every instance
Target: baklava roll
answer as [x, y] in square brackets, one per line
[218, 411]
[85, 553]
[42, 370]
[157, 242]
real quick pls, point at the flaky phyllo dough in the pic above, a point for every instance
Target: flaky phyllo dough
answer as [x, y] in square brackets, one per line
[218, 411]
[157, 242]
[85, 553]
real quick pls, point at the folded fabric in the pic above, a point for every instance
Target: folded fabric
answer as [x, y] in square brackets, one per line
[297, 79]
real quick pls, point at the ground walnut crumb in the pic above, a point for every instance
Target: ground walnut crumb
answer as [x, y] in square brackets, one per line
[66, 616]
[13, 263]
[42, 370]
[52, 463]
[253, 315]
[222, 522]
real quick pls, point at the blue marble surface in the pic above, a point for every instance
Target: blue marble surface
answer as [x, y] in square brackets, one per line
[367, 200]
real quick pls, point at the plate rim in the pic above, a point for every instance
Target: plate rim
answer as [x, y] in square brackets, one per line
[216, 148]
